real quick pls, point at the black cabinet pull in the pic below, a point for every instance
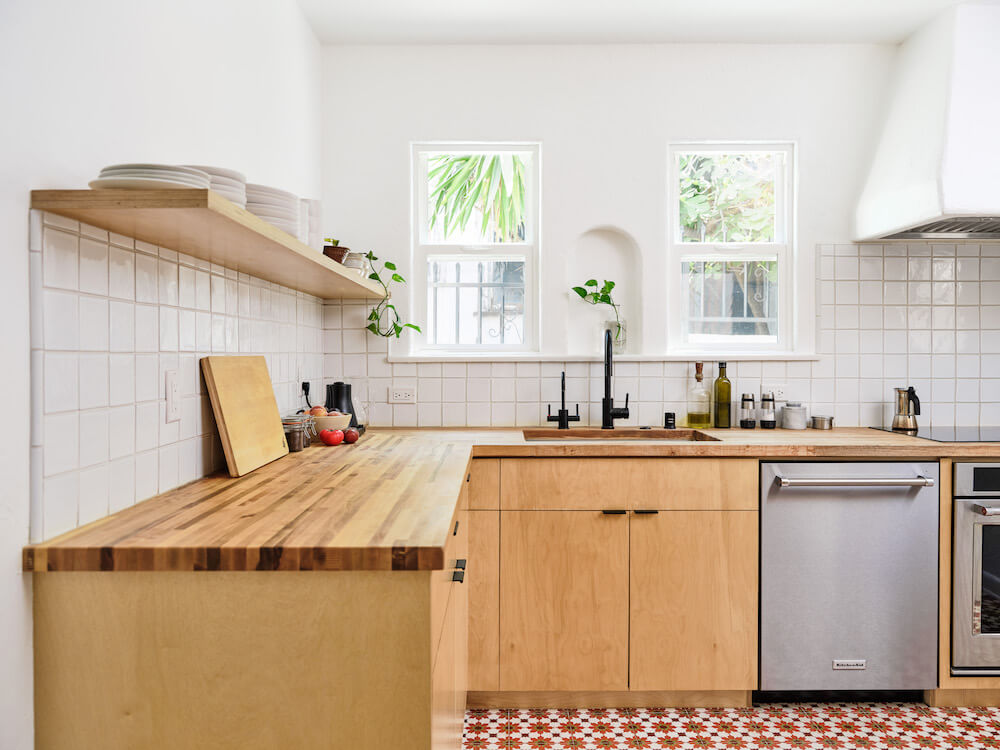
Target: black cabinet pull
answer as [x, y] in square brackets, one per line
[614, 512]
[645, 512]
[455, 532]
[458, 575]
[460, 564]
[468, 477]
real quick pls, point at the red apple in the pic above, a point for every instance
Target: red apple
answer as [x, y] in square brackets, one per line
[318, 411]
[351, 436]
[332, 437]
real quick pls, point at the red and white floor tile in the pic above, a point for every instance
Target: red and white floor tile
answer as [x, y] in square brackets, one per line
[779, 725]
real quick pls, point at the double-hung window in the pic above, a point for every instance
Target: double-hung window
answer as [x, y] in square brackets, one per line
[475, 246]
[731, 240]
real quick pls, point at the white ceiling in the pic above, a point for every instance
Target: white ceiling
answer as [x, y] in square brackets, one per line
[616, 21]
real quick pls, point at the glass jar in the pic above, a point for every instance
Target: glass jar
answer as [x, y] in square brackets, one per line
[299, 431]
[748, 414]
[619, 335]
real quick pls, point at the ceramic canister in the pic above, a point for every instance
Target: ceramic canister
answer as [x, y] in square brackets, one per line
[793, 416]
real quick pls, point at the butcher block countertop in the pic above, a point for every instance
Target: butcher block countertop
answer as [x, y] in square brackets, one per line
[387, 502]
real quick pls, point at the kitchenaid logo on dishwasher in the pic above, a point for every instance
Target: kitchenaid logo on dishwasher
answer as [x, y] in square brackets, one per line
[849, 663]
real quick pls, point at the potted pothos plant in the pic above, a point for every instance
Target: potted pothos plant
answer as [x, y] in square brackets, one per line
[384, 318]
[600, 294]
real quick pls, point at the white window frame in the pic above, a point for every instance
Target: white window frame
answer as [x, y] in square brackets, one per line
[783, 249]
[423, 251]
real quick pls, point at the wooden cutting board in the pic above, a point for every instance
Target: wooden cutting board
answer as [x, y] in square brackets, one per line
[245, 412]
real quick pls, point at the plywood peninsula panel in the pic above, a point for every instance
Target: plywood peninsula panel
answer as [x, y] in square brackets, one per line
[231, 660]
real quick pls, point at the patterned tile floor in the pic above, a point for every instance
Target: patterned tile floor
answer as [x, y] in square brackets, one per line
[775, 725]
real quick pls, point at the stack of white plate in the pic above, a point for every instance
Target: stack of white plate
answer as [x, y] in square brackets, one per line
[228, 183]
[151, 176]
[277, 207]
[311, 228]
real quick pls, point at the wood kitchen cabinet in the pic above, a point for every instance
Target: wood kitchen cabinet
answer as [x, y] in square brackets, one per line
[693, 600]
[599, 483]
[641, 601]
[332, 659]
[484, 600]
[483, 583]
[563, 600]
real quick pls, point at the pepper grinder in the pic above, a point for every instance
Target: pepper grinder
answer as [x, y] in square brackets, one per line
[748, 419]
[767, 416]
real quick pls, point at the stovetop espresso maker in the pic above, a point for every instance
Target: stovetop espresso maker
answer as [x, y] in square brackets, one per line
[907, 409]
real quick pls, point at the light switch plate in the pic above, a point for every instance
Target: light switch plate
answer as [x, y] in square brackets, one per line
[173, 392]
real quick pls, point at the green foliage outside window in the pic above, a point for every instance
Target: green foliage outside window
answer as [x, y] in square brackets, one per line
[727, 197]
[490, 187]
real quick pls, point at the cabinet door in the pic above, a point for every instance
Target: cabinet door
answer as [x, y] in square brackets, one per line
[483, 583]
[459, 605]
[563, 600]
[693, 623]
[446, 729]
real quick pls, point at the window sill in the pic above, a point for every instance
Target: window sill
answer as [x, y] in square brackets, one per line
[710, 356]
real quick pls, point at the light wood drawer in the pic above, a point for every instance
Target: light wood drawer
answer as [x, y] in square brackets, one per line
[484, 485]
[628, 483]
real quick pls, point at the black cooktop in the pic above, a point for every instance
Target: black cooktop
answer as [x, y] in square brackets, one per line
[953, 434]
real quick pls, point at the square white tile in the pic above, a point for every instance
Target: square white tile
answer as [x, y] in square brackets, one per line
[93, 370]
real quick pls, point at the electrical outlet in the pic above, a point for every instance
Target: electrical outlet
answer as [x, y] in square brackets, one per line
[402, 396]
[173, 392]
[780, 390]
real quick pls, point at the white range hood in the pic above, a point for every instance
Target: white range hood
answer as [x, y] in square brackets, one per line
[936, 172]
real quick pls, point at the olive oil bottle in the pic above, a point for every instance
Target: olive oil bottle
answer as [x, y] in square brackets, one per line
[723, 397]
[699, 400]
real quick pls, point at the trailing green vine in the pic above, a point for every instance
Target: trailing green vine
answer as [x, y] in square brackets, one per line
[384, 317]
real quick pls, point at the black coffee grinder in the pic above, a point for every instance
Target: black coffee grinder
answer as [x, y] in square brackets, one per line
[338, 396]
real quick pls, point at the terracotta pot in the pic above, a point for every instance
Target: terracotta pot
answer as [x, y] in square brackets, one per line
[336, 252]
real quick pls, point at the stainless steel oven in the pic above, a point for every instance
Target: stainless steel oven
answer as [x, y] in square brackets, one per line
[975, 629]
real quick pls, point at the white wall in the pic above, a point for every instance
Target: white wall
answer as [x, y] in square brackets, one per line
[227, 82]
[604, 116]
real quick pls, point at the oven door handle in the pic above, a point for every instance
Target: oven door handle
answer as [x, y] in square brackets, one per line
[986, 509]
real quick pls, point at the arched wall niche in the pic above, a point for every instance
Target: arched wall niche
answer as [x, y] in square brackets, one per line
[604, 252]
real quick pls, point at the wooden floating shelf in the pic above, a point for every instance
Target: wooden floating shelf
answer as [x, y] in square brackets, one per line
[207, 226]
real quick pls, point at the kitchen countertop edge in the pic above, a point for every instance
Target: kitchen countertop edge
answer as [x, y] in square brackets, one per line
[452, 449]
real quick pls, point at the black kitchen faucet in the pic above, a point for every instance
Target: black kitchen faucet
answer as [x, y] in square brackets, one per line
[609, 412]
[564, 417]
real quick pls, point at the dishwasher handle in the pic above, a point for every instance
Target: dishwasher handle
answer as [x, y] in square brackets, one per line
[986, 509]
[919, 481]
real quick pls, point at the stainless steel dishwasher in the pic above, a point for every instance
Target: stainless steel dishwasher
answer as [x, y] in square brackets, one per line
[849, 576]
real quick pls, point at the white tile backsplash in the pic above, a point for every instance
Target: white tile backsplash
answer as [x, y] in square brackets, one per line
[94, 266]
[109, 316]
[921, 315]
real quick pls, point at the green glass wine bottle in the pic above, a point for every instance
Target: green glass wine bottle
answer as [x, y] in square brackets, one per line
[723, 397]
